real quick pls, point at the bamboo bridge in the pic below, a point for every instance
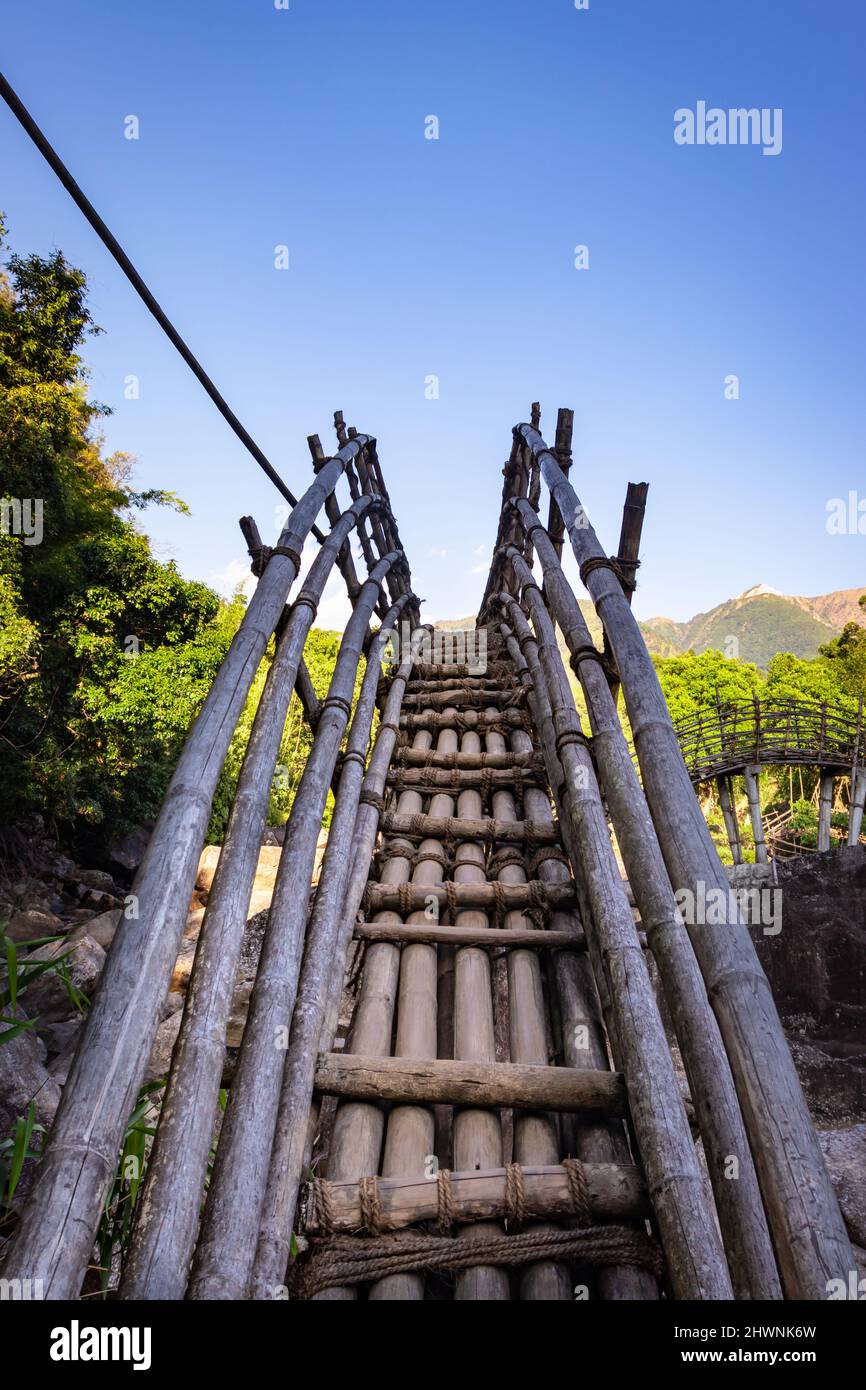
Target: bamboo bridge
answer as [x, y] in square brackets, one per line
[738, 737]
[504, 1118]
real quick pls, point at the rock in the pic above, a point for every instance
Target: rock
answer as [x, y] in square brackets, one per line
[845, 1156]
[62, 1037]
[163, 1046]
[31, 925]
[128, 852]
[95, 879]
[24, 1077]
[46, 996]
[101, 928]
[173, 1001]
[183, 966]
[263, 885]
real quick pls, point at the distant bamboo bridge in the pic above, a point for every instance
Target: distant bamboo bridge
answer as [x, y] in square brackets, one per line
[503, 1118]
[739, 737]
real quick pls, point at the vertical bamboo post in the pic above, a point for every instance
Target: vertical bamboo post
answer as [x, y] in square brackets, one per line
[54, 1239]
[230, 1224]
[697, 1264]
[321, 975]
[855, 813]
[811, 1242]
[583, 1038]
[753, 792]
[157, 1264]
[825, 810]
[732, 829]
[741, 1214]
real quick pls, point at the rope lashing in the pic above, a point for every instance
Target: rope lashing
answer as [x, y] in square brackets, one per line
[263, 554]
[608, 562]
[578, 1189]
[371, 798]
[347, 1260]
[541, 856]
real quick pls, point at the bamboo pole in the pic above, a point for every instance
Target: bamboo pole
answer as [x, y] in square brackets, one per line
[855, 813]
[825, 811]
[536, 1136]
[356, 1142]
[581, 1032]
[732, 829]
[615, 1192]
[55, 1235]
[695, 1259]
[230, 1224]
[454, 828]
[157, 1264]
[497, 939]
[753, 792]
[470, 894]
[811, 1242]
[323, 961]
[741, 1214]
[476, 1133]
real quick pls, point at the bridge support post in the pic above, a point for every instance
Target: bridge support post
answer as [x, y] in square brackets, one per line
[750, 777]
[732, 829]
[855, 813]
[825, 810]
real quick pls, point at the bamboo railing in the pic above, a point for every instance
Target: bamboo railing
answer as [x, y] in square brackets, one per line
[738, 733]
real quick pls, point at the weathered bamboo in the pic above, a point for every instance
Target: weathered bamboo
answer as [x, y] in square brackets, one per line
[456, 828]
[476, 1134]
[460, 697]
[825, 811]
[536, 1137]
[855, 813]
[732, 829]
[55, 1235]
[615, 1192]
[695, 1259]
[417, 1081]
[495, 939]
[470, 895]
[741, 1214]
[461, 779]
[753, 792]
[416, 757]
[811, 1243]
[321, 961]
[230, 1224]
[477, 720]
[157, 1264]
[581, 1033]
[356, 1142]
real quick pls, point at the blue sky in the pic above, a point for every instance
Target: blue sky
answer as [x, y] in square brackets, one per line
[411, 257]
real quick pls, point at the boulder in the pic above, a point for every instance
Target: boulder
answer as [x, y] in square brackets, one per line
[46, 996]
[845, 1156]
[163, 1046]
[128, 852]
[33, 924]
[24, 1078]
[101, 928]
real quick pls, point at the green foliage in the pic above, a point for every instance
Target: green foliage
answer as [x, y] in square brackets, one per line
[691, 683]
[846, 657]
[106, 653]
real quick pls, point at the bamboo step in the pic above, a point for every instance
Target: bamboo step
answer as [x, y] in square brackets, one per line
[460, 696]
[611, 1191]
[488, 938]
[480, 682]
[459, 897]
[458, 780]
[421, 757]
[486, 1085]
[425, 671]
[420, 827]
[468, 719]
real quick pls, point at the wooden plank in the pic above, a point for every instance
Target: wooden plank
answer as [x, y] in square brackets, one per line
[615, 1192]
[414, 1081]
[489, 938]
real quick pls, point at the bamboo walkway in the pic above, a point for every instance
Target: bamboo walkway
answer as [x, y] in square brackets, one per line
[503, 1118]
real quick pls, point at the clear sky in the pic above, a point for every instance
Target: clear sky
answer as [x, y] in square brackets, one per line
[410, 257]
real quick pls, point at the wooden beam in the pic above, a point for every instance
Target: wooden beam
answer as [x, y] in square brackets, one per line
[488, 897]
[413, 1081]
[488, 938]
[615, 1192]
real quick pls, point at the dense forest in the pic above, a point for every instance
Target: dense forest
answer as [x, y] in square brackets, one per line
[106, 652]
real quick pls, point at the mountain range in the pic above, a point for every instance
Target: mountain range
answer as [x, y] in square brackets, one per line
[762, 620]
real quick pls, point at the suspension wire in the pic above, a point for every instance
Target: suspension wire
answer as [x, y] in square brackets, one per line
[19, 110]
